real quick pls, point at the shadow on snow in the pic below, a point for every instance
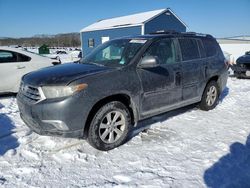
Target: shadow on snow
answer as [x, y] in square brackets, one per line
[7, 141]
[223, 94]
[232, 170]
[144, 125]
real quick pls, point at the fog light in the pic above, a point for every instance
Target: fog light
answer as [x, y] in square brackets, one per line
[60, 125]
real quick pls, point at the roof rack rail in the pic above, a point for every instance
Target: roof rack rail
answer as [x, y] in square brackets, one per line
[197, 34]
[165, 32]
[181, 33]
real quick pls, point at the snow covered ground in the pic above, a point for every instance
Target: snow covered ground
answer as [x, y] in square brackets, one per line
[235, 50]
[71, 56]
[182, 148]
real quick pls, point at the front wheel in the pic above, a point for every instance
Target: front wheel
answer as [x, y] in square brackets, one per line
[110, 126]
[210, 96]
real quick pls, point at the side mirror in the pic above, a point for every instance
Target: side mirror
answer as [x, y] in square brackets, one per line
[149, 61]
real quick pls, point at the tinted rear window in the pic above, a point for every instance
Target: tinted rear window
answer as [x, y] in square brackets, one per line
[189, 49]
[23, 58]
[210, 47]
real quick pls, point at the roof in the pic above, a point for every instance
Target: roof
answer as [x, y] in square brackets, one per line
[24, 52]
[128, 21]
[169, 34]
[18, 50]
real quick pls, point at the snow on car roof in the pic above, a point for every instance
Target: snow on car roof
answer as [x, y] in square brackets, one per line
[19, 50]
[22, 51]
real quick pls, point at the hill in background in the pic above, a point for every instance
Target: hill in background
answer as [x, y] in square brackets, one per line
[59, 40]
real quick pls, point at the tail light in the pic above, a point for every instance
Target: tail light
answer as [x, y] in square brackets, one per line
[227, 63]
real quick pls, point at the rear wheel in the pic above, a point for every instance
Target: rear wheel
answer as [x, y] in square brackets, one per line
[110, 126]
[210, 96]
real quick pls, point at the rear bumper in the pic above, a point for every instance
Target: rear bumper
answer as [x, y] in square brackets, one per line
[62, 117]
[223, 80]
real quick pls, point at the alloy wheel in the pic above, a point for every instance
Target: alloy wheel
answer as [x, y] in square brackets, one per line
[112, 127]
[211, 96]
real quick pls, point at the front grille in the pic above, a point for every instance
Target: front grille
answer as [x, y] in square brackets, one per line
[30, 93]
[247, 65]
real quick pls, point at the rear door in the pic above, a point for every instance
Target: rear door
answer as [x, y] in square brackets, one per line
[161, 84]
[212, 66]
[12, 67]
[191, 68]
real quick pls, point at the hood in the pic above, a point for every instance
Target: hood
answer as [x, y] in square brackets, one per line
[62, 74]
[243, 59]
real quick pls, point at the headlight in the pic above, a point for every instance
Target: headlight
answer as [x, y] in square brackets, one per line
[62, 91]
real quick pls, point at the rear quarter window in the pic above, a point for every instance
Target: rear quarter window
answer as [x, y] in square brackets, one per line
[210, 47]
[201, 49]
[189, 49]
[23, 58]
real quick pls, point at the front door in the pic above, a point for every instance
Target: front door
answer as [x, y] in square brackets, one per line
[161, 84]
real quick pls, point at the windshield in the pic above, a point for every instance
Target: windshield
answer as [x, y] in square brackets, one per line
[115, 53]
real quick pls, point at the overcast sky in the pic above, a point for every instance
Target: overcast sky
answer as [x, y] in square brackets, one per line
[25, 18]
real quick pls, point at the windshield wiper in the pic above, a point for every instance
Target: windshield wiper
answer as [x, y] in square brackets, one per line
[95, 64]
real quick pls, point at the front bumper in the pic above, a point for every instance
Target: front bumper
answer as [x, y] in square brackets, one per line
[41, 117]
[240, 71]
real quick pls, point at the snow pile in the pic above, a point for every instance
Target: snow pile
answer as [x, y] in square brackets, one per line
[182, 148]
[69, 57]
[236, 50]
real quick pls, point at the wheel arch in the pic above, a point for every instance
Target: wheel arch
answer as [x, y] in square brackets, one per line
[203, 104]
[212, 78]
[216, 79]
[204, 85]
[123, 98]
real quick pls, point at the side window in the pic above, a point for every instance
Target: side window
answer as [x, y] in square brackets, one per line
[201, 49]
[23, 58]
[113, 52]
[91, 43]
[6, 57]
[164, 50]
[189, 49]
[210, 47]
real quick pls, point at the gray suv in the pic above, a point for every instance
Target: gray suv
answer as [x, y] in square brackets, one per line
[122, 82]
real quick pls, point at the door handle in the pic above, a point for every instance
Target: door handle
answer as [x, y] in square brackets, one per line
[177, 78]
[20, 66]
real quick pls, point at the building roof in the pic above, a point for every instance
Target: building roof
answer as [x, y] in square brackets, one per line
[128, 21]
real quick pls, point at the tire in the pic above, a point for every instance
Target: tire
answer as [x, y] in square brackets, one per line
[210, 96]
[110, 126]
